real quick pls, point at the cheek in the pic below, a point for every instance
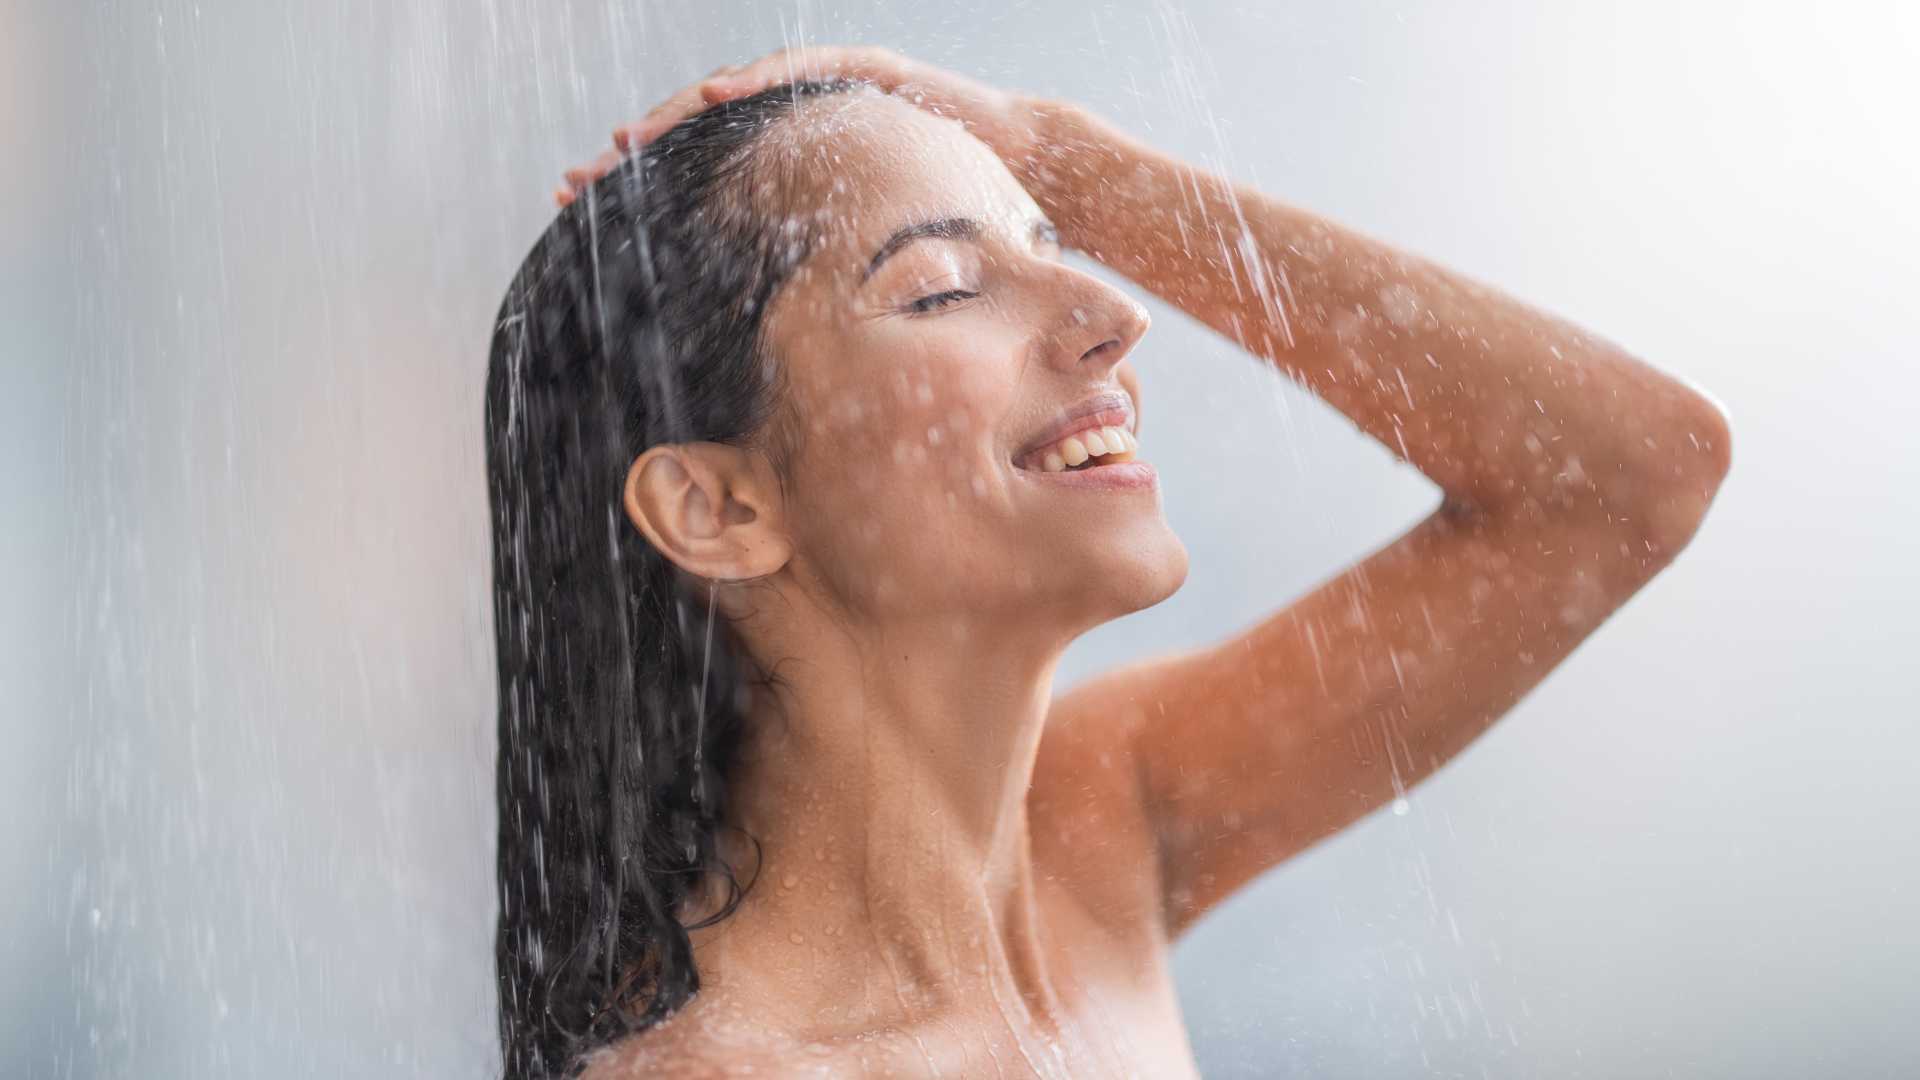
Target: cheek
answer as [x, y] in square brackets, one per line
[945, 421]
[933, 417]
[904, 464]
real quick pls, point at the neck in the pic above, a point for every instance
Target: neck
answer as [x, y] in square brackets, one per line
[886, 780]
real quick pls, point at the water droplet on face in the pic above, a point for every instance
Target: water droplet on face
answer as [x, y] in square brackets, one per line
[1401, 807]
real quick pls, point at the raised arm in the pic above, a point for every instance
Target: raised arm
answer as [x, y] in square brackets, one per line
[1572, 474]
[1503, 406]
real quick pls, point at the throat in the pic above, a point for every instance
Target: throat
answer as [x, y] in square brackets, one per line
[915, 947]
[884, 784]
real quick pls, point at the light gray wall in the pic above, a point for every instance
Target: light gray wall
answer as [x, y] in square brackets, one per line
[252, 250]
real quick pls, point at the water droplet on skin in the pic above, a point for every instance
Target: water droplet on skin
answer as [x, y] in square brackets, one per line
[1401, 304]
[1401, 807]
[789, 881]
[797, 938]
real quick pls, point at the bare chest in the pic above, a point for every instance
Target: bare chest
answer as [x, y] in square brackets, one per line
[1109, 1034]
[1109, 1010]
[1106, 1008]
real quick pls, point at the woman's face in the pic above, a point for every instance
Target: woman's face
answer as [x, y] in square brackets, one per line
[931, 372]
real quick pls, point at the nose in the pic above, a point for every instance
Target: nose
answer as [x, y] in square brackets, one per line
[1097, 325]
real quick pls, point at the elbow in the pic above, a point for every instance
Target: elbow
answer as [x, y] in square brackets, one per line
[1682, 487]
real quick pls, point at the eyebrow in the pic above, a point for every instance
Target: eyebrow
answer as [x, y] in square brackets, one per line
[949, 228]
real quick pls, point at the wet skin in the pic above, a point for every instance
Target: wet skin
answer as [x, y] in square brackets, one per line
[921, 904]
[962, 874]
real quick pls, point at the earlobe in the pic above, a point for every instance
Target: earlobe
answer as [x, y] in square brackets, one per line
[706, 508]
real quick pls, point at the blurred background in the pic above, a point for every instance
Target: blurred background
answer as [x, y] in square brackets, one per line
[249, 255]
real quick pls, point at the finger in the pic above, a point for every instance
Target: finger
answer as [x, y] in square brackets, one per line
[644, 132]
[668, 117]
[727, 82]
[631, 136]
[563, 196]
[715, 91]
[667, 114]
[582, 175]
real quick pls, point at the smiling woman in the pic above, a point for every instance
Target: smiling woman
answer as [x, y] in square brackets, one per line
[809, 456]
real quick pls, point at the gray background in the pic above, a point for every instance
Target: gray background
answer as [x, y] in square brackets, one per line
[251, 253]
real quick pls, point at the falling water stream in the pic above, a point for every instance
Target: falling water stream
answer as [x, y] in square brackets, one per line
[254, 257]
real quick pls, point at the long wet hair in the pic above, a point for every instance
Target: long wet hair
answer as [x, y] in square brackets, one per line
[636, 320]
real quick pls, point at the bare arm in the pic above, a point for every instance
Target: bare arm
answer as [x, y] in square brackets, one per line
[1500, 404]
[1572, 474]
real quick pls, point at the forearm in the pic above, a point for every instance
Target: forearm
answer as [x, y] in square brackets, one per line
[1505, 407]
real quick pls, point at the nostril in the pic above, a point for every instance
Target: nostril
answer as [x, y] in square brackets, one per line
[1109, 343]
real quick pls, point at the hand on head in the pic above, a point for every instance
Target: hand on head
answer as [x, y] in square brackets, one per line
[1002, 120]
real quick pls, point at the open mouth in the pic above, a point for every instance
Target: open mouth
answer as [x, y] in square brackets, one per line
[1083, 450]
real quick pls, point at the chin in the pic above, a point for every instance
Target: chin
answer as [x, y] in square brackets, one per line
[1138, 572]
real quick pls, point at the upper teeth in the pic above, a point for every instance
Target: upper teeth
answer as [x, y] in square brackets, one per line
[1093, 443]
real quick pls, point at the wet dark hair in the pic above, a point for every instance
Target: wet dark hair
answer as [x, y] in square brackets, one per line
[636, 320]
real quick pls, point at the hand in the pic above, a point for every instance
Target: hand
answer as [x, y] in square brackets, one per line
[1006, 122]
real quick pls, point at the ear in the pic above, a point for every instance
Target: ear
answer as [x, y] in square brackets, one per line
[712, 509]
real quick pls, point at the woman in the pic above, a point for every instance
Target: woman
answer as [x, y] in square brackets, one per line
[809, 456]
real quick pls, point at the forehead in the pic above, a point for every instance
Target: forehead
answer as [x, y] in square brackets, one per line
[858, 166]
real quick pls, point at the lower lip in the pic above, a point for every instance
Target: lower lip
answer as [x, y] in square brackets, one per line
[1121, 476]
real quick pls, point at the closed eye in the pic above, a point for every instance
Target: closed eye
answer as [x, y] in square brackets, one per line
[940, 300]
